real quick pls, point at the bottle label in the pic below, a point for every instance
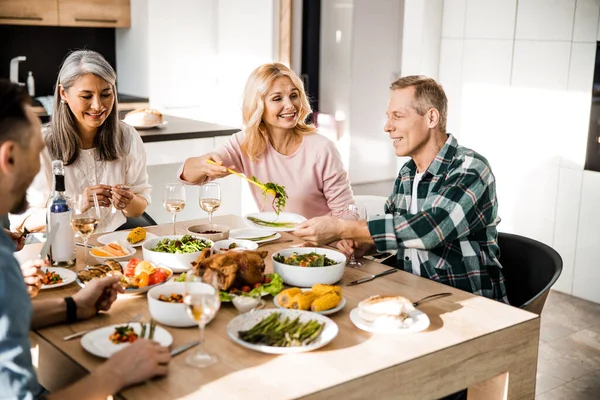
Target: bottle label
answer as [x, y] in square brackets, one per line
[63, 246]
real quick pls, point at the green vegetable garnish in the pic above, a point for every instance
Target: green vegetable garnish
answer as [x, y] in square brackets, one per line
[280, 195]
[187, 244]
[272, 288]
[270, 224]
[181, 278]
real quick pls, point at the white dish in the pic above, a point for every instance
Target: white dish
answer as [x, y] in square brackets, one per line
[304, 277]
[98, 343]
[148, 126]
[222, 246]
[124, 245]
[253, 234]
[173, 314]
[333, 310]
[420, 323]
[67, 276]
[272, 217]
[177, 262]
[247, 320]
[121, 236]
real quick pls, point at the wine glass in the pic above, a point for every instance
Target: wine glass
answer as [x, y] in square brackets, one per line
[210, 198]
[203, 302]
[85, 217]
[174, 199]
[356, 212]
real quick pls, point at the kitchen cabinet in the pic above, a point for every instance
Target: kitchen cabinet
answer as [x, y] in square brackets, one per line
[94, 13]
[29, 12]
[89, 13]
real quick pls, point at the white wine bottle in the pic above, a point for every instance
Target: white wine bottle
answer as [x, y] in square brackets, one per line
[62, 250]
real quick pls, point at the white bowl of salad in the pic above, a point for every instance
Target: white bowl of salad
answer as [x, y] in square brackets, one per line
[176, 251]
[307, 266]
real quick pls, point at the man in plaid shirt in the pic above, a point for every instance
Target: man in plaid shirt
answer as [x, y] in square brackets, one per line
[441, 216]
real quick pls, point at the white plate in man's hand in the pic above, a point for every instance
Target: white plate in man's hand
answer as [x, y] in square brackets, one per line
[67, 276]
[98, 343]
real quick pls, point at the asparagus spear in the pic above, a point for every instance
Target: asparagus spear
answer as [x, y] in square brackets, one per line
[261, 222]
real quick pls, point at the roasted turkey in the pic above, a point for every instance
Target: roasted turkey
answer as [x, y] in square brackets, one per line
[232, 268]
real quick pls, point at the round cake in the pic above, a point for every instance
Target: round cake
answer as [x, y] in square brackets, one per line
[143, 117]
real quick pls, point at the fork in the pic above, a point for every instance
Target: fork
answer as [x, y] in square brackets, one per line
[137, 318]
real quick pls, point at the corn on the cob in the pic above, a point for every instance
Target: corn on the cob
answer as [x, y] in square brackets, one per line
[285, 297]
[303, 300]
[321, 289]
[325, 302]
[136, 235]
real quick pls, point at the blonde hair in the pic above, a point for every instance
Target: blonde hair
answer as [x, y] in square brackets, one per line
[428, 94]
[253, 107]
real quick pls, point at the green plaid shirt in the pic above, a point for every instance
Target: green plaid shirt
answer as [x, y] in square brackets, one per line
[455, 231]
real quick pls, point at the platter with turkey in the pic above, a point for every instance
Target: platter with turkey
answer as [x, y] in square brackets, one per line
[237, 273]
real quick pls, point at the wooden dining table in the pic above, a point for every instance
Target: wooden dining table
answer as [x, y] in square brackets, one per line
[471, 342]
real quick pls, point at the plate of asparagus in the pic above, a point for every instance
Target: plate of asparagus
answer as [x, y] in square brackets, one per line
[282, 331]
[271, 221]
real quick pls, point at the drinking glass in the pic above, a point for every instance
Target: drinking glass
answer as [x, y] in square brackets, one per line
[85, 217]
[356, 212]
[202, 303]
[174, 199]
[210, 198]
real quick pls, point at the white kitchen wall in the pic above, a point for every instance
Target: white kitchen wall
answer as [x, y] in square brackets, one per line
[519, 75]
[132, 52]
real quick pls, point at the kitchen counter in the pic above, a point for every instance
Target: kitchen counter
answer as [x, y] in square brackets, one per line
[177, 128]
[126, 103]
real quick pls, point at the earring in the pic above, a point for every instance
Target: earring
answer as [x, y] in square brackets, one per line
[63, 101]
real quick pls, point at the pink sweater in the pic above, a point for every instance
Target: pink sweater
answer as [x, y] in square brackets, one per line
[314, 176]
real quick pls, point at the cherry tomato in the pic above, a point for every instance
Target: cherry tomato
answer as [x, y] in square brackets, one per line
[268, 279]
[157, 276]
[142, 279]
[245, 289]
[130, 268]
[257, 285]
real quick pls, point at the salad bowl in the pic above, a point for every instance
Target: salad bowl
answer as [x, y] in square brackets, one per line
[176, 251]
[306, 266]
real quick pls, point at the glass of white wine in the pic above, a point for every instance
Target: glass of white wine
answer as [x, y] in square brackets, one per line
[202, 303]
[355, 212]
[174, 199]
[85, 217]
[210, 198]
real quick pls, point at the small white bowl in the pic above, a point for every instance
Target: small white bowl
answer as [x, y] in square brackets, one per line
[308, 276]
[222, 231]
[223, 245]
[177, 262]
[172, 314]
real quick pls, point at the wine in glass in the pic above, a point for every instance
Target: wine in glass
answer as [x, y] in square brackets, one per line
[85, 217]
[202, 302]
[356, 212]
[174, 199]
[210, 198]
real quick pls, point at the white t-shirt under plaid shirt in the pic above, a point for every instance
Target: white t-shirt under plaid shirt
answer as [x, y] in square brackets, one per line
[414, 253]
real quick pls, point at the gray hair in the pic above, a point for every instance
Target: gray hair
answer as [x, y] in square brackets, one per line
[63, 140]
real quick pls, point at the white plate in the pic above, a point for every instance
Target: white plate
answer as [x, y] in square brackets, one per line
[121, 236]
[125, 246]
[148, 126]
[140, 290]
[333, 310]
[98, 343]
[420, 323]
[252, 234]
[270, 216]
[247, 320]
[67, 276]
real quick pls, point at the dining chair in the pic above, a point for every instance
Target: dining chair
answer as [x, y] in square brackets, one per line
[530, 269]
[134, 222]
[373, 204]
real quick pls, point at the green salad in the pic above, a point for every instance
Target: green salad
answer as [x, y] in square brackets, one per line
[272, 285]
[311, 259]
[187, 244]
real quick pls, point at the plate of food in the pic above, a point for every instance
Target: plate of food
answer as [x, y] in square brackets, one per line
[134, 238]
[144, 118]
[321, 299]
[106, 341]
[280, 332]
[388, 314]
[54, 277]
[255, 235]
[137, 276]
[112, 251]
[271, 221]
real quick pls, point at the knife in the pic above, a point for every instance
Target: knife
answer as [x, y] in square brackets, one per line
[371, 277]
[184, 347]
[49, 239]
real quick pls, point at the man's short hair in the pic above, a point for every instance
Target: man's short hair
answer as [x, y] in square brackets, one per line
[13, 119]
[428, 94]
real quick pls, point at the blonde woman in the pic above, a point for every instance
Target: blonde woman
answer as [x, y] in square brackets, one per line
[279, 146]
[101, 154]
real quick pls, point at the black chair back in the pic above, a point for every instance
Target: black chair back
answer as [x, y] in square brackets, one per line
[134, 222]
[530, 268]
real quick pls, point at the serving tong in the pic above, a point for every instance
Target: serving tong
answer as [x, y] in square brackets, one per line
[260, 185]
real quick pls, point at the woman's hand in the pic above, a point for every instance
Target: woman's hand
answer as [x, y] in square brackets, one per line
[197, 170]
[103, 193]
[121, 196]
[32, 275]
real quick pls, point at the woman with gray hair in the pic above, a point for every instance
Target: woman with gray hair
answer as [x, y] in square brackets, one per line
[101, 154]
